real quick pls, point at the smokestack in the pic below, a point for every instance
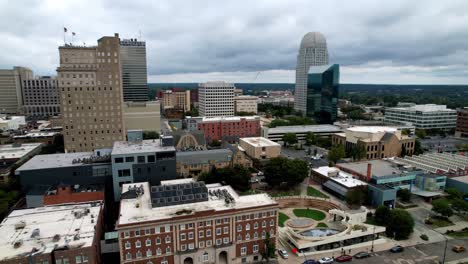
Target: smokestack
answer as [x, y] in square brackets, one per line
[369, 172]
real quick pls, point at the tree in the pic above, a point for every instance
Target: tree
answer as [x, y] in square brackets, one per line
[405, 131]
[282, 170]
[215, 143]
[150, 135]
[460, 205]
[269, 249]
[382, 214]
[442, 207]
[417, 147]
[420, 133]
[238, 177]
[336, 153]
[311, 139]
[358, 151]
[454, 193]
[403, 151]
[400, 224]
[404, 194]
[356, 197]
[289, 139]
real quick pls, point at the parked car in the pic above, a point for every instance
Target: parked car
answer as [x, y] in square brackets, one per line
[283, 253]
[343, 258]
[397, 249]
[309, 261]
[362, 254]
[325, 260]
[458, 248]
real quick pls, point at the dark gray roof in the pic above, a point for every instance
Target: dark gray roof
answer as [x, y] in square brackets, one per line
[204, 156]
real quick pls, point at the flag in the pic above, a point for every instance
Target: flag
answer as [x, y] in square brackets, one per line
[64, 29]
[73, 33]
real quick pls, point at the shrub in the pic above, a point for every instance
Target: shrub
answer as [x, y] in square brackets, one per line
[424, 237]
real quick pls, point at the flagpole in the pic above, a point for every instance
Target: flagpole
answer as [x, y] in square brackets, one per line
[64, 42]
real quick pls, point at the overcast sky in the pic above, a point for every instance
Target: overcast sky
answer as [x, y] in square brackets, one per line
[401, 42]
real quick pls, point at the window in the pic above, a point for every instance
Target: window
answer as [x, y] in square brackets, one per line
[208, 223]
[239, 228]
[182, 227]
[247, 217]
[208, 232]
[247, 226]
[264, 214]
[239, 237]
[218, 221]
[157, 230]
[163, 262]
[243, 250]
[226, 230]
[126, 234]
[255, 248]
[182, 237]
[200, 224]
[151, 158]
[147, 231]
[124, 173]
[272, 213]
[263, 223]
[190, 225]
[78, 259]
[201, 244]
[118, 160]
[167, 228]
[158, 240]
[218, 231]
[255, 235]
[191, 246]
[205, 257]
[138, 244]
[128, 245]
[168, 250]
[149, 253]
[85, 259]
[226, 220]
[226, 240]
[138, 254]
[263, 234]
[141, 159]
[218, 242]
[190, 235]
[148, 242]
[247, 236]
[272, 222]
[129, 159]
[200, 233]
[255, 225]
[239, 218]
[168, 239]
[243, 260]
[255, 215]
[128, 256]
[208, 243]
[183, 247]
[158, 252]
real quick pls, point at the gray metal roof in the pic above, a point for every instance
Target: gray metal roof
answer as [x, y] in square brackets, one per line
[204, 156]
[54, 161]
[304, 129]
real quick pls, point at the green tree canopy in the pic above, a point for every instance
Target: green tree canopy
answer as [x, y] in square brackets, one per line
[442, 207]
[417, 147]
[150, 135]
[404, 194]
[459, 205]
[238, 177]
[358, 151]
[268, 251]
[336, 153]
[382, 214]
[356, 197]
[289, 139]
[311, 139]
[282, 170]
[400, 224]
[454, 193]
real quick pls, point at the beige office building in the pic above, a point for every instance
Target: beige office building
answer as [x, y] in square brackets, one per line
[176, 100]
[11, 99]
[90, 86]
[245, 103]
[260, 148]
[142, 115]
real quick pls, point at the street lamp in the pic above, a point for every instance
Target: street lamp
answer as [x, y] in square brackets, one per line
[373, 238]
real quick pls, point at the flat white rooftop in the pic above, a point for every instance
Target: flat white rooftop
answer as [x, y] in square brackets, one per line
[54, 161]
[304, 129]
[372, 129]
[48, 228]
[260, 142]
[37, 135]
[131, 214]
[342, 177]
[424, 108]
[12, 151]
[144, 146]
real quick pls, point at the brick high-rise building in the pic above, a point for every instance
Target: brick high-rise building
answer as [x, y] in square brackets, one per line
[462, 122]
[90, 86]
[11, 99]
[183, 221]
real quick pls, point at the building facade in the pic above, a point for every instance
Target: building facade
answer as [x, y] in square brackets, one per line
[276, 133]
[90, 82]
[205, 224]
[260, 148]
[322, 93]
[143, 161]
[227, 128]
[246, 104]
[174, 99]
[379, 142]
[11, 98]
[144, 116]
[40, 97]
[462, 123]
[428, 116]
[12, 155]
[12, 122]
[216, 99]
[134, 70]
[312, 52]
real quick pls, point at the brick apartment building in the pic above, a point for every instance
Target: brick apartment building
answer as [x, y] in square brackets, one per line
[462, 122]
[64, 234]
[182, 221]
[227, 128]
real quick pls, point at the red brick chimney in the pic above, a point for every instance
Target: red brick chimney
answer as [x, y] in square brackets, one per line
[369, 172]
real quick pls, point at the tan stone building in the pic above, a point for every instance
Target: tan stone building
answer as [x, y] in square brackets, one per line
[11, 97]
[245, 103]
[260, 148]
[142, 115]
[176, 100]
[90, 86]
[379, 142]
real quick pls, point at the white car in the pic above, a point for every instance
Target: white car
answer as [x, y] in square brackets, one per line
[283, 253]
[325, 260]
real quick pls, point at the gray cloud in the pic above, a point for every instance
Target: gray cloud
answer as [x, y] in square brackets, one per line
[406, 40]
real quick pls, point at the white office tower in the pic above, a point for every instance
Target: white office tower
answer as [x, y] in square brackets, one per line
[216, 99]
[313, 52]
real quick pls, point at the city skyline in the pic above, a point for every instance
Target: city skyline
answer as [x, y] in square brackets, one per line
[393, 43]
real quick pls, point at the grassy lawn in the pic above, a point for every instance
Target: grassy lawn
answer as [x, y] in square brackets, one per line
[316, 193]
[309, 213]
[438, 222]
[322, 225]
[459, 234]
[281, 219]
[285, 193]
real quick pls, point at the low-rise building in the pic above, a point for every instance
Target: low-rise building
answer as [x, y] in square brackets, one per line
[336, 181]
[176, 99]
[276, 133]
[45, 195]
[47, 138]
[462, 122]
[183, 221]
[451, 165]
[379, 142]
[52, 234]
[226, 128]
[245, 104]
[141, 161]
[427, 116]
[142, 115]
[12, 122]
[12, 155]
[459, 183]
[260, 148]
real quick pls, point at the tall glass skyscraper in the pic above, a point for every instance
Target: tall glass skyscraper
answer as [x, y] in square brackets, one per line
[313, 52]
[134, 73]
[322, 93]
